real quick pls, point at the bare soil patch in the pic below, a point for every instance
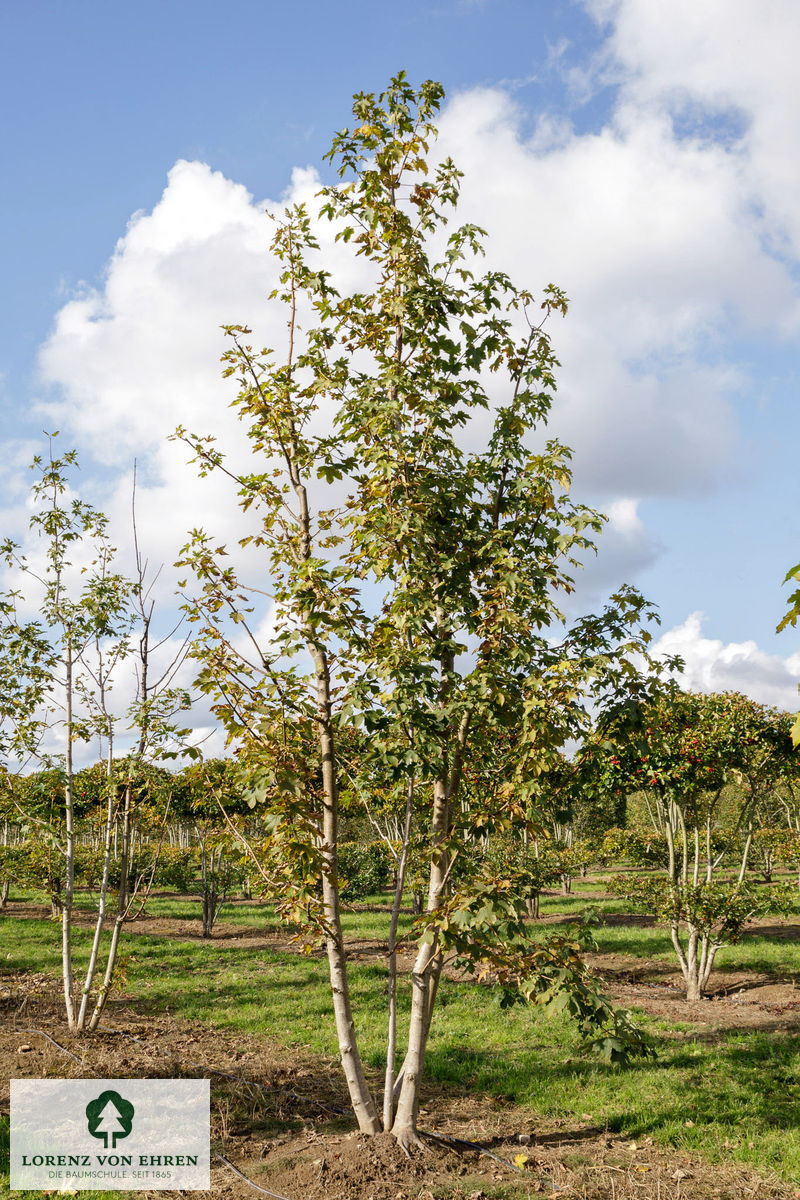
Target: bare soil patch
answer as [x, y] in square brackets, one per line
[738, 1001]
[282, 1120]
[225, 934]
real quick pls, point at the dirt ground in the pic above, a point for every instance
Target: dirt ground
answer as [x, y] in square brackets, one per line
[743, 1000]
[281, 1120]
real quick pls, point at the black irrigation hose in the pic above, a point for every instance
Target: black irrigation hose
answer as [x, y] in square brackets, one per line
[53, 1042]
[461, 1144]
[275, 1195]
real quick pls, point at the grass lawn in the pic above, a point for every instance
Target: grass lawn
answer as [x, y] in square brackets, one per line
[729, 1095]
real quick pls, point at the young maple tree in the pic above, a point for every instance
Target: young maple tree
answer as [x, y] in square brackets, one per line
[414, 577]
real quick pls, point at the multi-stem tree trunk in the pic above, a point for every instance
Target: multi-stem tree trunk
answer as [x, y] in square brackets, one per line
[213, 899]
[696, 958]
[121, 913]
[111, 817]
[691, 862]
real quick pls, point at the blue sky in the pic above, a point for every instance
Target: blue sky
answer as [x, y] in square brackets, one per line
[101, 100]
[643, 156]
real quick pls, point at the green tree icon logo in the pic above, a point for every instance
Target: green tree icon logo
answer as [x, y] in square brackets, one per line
[109, 1116]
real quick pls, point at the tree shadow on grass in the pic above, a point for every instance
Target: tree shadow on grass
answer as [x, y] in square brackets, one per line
[750, 1081]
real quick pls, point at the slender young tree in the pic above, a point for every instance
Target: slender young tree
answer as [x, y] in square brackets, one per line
[414, 578]
[93, 623]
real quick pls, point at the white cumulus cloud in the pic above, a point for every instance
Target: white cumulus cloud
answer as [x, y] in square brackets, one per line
[653, 238]
[729, 60]
[714, 666]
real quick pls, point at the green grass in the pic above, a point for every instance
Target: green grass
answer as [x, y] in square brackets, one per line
[245, 914]
[738, 1091]
[755, 951]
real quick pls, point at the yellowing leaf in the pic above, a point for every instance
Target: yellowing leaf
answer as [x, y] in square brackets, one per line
[795, 732]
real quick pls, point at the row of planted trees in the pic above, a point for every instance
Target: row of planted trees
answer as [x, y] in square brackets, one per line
[190, 833]
[702, 791]
[699, 798]
[170, 836]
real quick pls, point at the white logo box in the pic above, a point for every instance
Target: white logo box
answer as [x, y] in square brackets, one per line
[110, 1134]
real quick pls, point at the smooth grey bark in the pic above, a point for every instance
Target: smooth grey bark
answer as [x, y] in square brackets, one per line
[360, 1095]
[690, 860]
[391, 1035]
[69, 888]
[122, 909]
[111, 816]
[425, 981]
